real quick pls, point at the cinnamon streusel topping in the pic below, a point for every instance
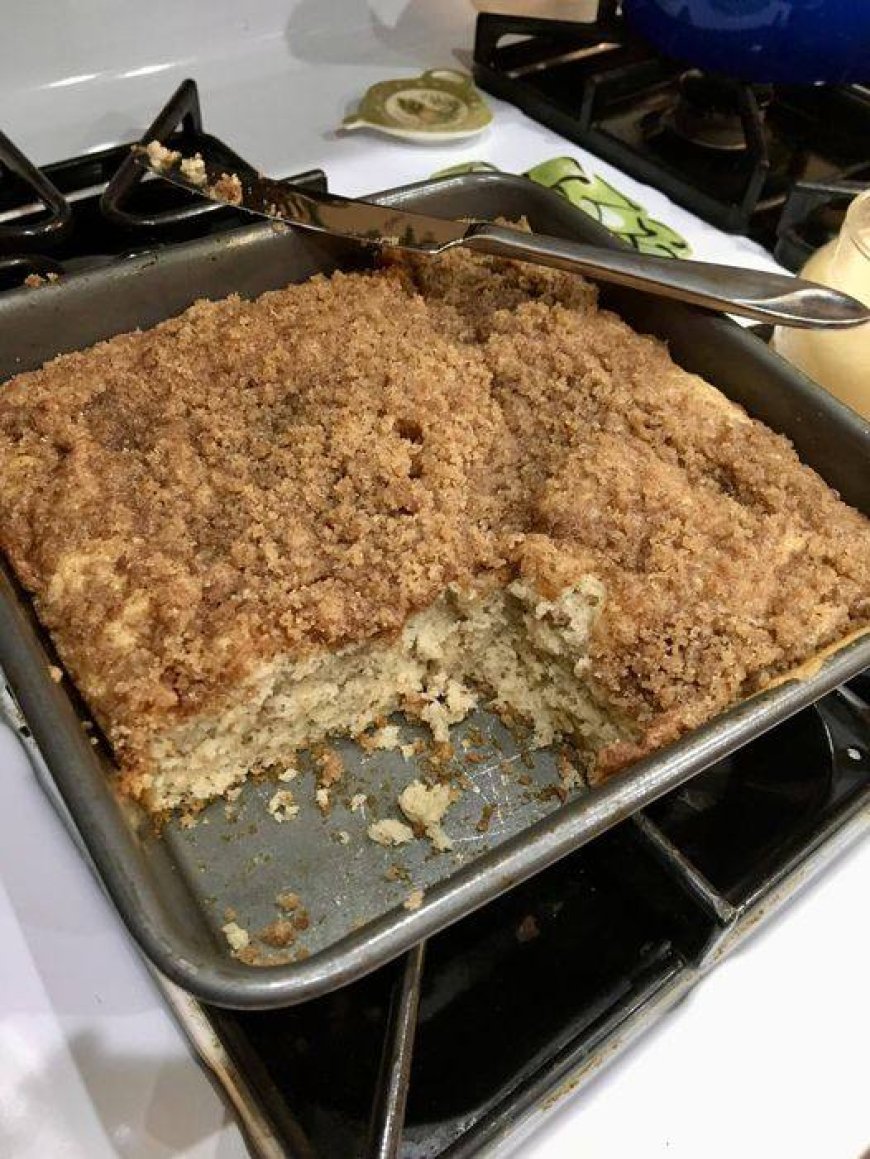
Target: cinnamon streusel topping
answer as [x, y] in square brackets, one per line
[307, 470]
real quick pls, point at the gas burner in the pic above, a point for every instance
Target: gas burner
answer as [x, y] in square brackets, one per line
[88, 211]
[710, 113]
[728, 151]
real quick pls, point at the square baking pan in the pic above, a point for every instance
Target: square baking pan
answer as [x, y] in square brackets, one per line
[175, 891]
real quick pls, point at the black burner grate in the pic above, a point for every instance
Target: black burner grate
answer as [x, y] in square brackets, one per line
[88, 211]
[728, 151]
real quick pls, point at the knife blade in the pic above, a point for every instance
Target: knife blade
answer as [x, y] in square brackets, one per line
[768, 297]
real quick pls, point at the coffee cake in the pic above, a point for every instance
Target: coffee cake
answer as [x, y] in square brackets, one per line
[449, 481]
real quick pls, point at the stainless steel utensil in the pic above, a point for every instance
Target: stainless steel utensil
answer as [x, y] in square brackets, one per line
[765, 297]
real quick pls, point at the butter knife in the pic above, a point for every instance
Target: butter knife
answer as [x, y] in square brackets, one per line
[763, 296]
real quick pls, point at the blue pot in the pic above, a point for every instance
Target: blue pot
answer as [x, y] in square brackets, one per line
[779, 41]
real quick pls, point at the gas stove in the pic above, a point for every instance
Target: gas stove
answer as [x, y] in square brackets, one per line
[471, 1040]
[779, 163]
[88, 211]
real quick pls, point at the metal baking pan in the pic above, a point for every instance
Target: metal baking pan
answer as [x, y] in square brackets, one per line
[173, 891]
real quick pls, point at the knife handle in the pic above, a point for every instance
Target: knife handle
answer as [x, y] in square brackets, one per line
[766, 297]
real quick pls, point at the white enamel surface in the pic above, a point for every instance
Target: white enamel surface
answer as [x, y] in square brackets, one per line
[767, 1058]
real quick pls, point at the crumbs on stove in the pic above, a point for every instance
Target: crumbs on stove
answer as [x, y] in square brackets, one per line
[55, 673]
[357, 802]
[324, 804]
[398, 873]
[414, 899]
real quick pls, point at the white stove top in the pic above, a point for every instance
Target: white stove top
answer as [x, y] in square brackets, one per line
[767, 1057]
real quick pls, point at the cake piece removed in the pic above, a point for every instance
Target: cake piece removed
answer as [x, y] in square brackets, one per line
[445, 483]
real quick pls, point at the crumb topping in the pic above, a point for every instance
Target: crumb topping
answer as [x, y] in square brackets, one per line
[292, 474]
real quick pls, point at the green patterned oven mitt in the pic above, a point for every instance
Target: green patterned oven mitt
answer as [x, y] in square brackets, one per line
[598, 199]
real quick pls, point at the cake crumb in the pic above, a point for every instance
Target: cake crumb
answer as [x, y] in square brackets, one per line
[279, 933]
[289, 774]
[321, 796]
[234, 793]
[397, 873]
[357, 802]
[414, 899]
[282, 806]
[569, 774]
[387, 737]
[390, 832]
[408, 750]
[161, 158]
[227, 188]
[55, 673]
[193, 168]
[288, 900]
[425, 806]
[330, 768]
[237, 936]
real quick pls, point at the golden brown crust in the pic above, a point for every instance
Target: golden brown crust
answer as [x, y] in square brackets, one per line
[309, 469]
